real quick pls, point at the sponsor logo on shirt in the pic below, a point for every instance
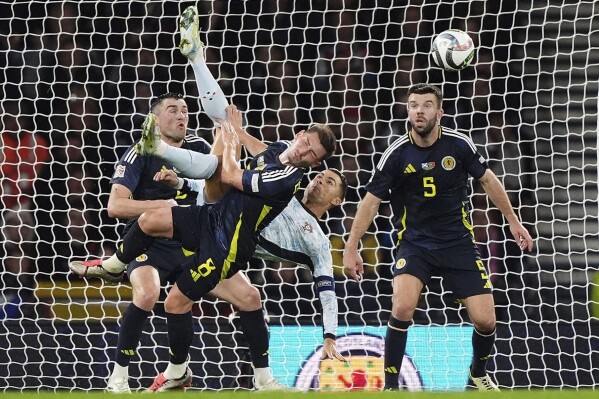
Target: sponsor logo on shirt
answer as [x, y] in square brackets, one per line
[261, 161]
[409, 169]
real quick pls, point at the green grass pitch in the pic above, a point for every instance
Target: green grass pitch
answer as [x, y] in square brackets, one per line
[505, 394]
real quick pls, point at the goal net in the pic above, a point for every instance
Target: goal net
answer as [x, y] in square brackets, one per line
[77, 80]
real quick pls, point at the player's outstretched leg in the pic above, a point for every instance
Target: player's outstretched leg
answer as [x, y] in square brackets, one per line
[484, 383]
[94, 268]
[150, 137]
[189, 26]
[212, 97]
[161, 383]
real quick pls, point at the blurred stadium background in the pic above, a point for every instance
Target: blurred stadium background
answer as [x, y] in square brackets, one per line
[77, 80]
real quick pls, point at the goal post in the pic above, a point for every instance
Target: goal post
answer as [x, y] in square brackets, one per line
[76, 82]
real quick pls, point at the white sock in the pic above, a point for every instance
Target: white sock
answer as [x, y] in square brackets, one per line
[263, 375]
[119, 372]
[161, 149]
[211, 95]
[190, 163]
[175, 371]
[113, 265]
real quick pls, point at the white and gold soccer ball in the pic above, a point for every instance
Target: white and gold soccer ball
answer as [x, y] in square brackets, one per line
[453, 50]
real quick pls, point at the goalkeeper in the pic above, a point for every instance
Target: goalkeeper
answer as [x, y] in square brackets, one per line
[424, 174]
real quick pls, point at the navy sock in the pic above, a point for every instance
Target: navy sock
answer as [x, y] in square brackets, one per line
[180, 336]
[132, 325]
[255, 331]
[482, 346]
[395, 348]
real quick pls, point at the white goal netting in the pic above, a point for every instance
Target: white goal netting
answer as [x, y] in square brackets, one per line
[76, 79]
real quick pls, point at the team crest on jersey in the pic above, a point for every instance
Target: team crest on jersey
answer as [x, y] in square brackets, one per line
[260, 161]
[119, 171]
[448, 163]
[428, 166]
[400, 263]
[308, 227]
[142, 258]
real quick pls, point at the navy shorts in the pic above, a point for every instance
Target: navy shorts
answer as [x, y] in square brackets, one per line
[199, 229]
[460, 266]
[164, 256]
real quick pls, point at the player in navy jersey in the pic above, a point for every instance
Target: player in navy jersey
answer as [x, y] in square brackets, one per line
[424, 175]
[134, 191]
[225, 234]
[293, 236]
[236, 290]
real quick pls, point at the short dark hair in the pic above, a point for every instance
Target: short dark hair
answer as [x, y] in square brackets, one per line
[327, 138]
[425, 88]
[343, 182]
[158, 100]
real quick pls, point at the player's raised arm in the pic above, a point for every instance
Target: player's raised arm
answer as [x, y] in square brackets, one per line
[252, 144]
[497, 194]
[352, 261]
[231, 173]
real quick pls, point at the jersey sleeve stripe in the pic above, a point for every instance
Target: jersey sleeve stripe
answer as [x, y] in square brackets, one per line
[390, 150]
[278, 175]
[461, 136]
[130, 156]
[192, 139]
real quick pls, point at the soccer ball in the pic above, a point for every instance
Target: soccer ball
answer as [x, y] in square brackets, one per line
[453, 50]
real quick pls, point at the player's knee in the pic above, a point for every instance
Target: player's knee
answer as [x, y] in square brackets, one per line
[251, 300]
[146, 297]
[151, 222]
[485, 324]
[177, 303]
[402, 312]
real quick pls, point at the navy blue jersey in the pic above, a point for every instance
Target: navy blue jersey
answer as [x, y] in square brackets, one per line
[136, 172]
[428, 188]
[268, 186]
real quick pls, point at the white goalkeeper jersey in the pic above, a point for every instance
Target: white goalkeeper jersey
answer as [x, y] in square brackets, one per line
[296, 236]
